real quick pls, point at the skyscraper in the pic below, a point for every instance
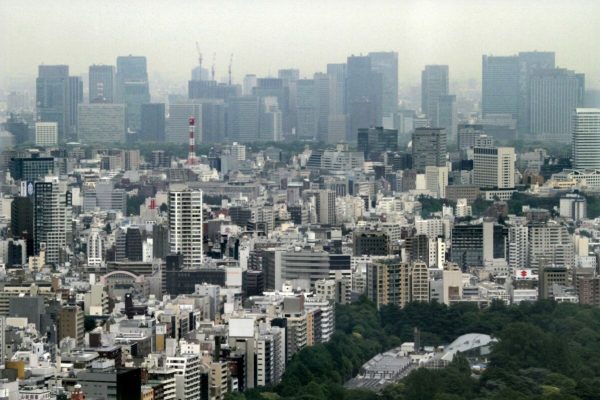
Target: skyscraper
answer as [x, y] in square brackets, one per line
[322, 104]
[386, 63]
[243, 119]
[428, 148]
[51, 96]
[447, 117]
[52, 218]
[553, 94]
[102, 85]
[185, 224]
[434, 84]
[364, 92]
[336, 123]
[500, 85]
[586, 138]
[132, 87]
[529, 62]
[153, 122]
[306, 111]
[74, 99]
[506, 84]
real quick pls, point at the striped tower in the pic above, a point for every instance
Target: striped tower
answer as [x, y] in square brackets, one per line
[192, 150]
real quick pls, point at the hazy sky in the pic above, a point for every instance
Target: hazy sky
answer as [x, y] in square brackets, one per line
[268, 35]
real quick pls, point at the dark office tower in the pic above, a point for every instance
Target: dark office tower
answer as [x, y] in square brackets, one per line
[529, 62]
[133, 240]
[386, 63]
[74, 98]
[428, 148]
[364, 91]
[31, 169]
[500, 86]
[434, 83]
[242, 119]
[322, 91]
[337, 120]
[132, 87]
[373, 142]
[554, 94]
[306, 109]
[213, 121]
[52, 96]
[102, 84]
[447, 116]
[21, 221]
[52, 219]
[160, 241]
[153, 123]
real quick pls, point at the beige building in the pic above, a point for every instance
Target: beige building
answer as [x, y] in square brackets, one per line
[70, 324]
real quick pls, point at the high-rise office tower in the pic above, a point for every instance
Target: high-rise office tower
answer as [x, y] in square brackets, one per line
[185, 224]
[447, 116]
[74, 99]
[429, 147]
[553, 95]
[505, 84]
[586, 138]
[102, 84]
[271, 120]
[364, 92]
[51, 96]
[336, 123]
[529, 62]
[153, 122]
[102, 123]
[243, 119]
[322, 104]
[178, 125]
[306, 109]
[434, 83]
[494, 167]
[386, 63]
[500, 86]
[52, 218]
[132, 87]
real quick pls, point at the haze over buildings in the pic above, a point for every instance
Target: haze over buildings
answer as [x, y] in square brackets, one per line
[317, 34]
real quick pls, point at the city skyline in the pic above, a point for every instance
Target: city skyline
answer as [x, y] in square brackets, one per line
[313, 38]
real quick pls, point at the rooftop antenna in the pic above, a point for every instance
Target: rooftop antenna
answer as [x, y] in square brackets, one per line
[229, 69]
[199, 55]
[212, 70]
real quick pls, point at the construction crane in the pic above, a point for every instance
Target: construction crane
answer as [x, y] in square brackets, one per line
[212, 70]
[199, 55]
[229, 69]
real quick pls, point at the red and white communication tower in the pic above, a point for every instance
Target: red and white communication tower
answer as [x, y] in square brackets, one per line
[192, 150]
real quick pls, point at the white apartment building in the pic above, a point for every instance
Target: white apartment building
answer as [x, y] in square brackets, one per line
[46, 133]
[185, 224]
